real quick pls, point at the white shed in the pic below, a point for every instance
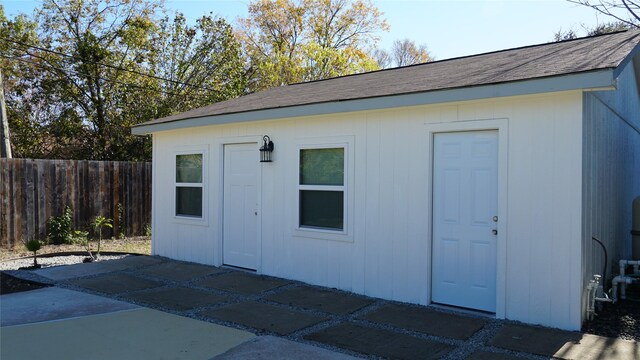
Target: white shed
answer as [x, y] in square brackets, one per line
[474, 182]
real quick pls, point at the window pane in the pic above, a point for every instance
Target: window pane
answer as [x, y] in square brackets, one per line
[322, 209]
[322, 166]
[189, 168]
[189, 201]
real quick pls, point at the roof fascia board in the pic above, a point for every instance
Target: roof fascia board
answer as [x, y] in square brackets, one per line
[588, 80]
[630, 57]
[636, 69]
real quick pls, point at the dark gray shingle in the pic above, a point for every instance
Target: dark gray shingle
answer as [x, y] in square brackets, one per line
[537, 61]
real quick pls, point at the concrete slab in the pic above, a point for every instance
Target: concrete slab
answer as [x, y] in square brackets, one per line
[264, 317]
[383, 343]
[243, 283]
[132, 334]
[179, 271]
[486, 355]
[592, 347]
[100, 267]
[533, 339]
[115, 283]
[333, 302]
[427, 321]
[53, 304]
[180, 299]
[271, 347]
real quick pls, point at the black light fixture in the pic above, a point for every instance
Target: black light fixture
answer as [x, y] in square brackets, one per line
[266, 149]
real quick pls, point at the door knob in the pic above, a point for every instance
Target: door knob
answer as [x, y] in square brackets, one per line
[494, 231]
[495, 219]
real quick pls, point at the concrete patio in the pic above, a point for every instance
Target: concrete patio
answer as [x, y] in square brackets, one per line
[166, 300]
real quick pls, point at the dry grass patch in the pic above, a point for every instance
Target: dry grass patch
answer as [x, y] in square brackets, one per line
[134, 245]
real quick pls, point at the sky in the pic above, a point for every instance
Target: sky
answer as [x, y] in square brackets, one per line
[449, 28]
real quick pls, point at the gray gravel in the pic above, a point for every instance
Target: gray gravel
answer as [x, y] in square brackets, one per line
[51, 261]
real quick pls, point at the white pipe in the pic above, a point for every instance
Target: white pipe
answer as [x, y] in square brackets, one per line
[624, 263]
[624, 280]
[591, 295]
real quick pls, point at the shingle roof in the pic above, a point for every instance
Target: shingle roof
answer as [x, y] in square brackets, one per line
[530, 62]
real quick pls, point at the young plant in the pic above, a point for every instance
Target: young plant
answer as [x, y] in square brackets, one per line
[82, 237]
[98, 223]
[33, 246]
[59, 227]
[147, 229]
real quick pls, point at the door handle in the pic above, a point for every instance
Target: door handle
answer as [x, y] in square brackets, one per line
[494, 231]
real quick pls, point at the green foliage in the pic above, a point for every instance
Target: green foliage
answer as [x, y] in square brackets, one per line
[289, 41]
[59, 228]
[122, 225]
[98, 223]
[80, 237]
[147, 229]
[33, 246]
[80, 73]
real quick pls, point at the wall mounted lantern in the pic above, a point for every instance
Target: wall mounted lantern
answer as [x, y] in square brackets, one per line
[266, 149]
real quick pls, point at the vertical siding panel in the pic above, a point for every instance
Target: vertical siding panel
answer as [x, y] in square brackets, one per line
[399, 240]
[373, 205]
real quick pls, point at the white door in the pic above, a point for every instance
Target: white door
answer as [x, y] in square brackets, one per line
[240, 210]
[465, 185]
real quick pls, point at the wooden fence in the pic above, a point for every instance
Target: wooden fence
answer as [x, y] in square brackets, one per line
[31, 191]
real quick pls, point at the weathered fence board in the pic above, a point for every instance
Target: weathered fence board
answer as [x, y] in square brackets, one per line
[32, 191]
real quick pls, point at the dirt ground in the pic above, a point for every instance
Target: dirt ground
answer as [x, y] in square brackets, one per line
[134, 245]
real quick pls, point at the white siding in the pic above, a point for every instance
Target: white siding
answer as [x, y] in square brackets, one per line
[389, 256]
[611, 168]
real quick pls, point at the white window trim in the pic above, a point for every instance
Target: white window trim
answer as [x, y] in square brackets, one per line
[184, 219]
[346, 234]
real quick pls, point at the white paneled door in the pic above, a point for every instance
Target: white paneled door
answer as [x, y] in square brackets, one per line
[465, 183]
[240, 209]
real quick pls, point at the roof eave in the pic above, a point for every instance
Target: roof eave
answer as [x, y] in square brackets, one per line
[600, 79]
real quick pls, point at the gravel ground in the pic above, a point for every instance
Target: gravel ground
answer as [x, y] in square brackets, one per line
[51, 261]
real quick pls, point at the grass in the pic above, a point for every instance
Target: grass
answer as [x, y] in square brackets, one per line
[137, 245]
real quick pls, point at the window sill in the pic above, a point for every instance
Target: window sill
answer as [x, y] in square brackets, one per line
[322, 234]
[187, 220]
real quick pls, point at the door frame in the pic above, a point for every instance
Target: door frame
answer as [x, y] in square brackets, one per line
[502, 127]
[220, 200]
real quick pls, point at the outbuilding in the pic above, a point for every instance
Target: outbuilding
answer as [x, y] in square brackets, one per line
[474, 182]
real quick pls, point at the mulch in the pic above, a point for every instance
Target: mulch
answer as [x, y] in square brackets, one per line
[621, 319]
[11, 284]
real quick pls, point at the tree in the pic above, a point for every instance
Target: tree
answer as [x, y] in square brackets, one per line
[605, 28]
[81, 72]
[288, 41]
[403, 52]
[624, 11]
[98, 223]
[200, 64]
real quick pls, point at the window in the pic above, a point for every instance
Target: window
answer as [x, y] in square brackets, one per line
[189, 185]
[321, 188]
